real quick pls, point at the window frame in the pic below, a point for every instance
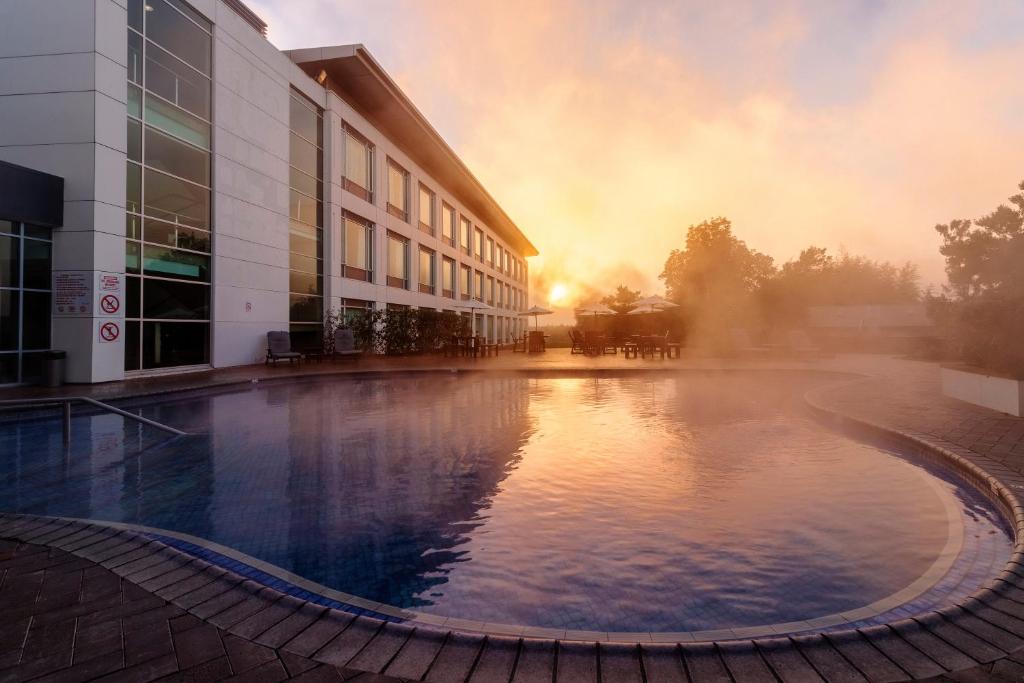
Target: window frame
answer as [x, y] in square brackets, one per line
[398, 211]
[349, 185]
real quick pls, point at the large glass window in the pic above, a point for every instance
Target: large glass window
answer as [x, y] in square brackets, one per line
[489, 252]
[305, 277]
[398, 261]
[466, 235]
[447, 224]
[398, 191]
[358, 164]
[478, 285]
[426, 274]
[358, 248]
[478, 244]
[25, 253]
[426, 210]
[465, 282]
[168, 227]
[448, 277]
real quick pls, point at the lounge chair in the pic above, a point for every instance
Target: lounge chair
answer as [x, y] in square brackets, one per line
[345, 344]
[279, 347]
[578, 344]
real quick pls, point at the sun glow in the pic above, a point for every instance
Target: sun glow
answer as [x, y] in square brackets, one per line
[558, 294]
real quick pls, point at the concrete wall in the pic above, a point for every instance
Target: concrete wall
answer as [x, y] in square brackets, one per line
[997, 393]
[62, 104]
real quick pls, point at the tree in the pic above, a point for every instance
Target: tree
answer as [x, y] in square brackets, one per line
[623, 300]
[985, 255]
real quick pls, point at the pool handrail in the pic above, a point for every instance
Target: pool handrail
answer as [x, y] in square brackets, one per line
[65, 403]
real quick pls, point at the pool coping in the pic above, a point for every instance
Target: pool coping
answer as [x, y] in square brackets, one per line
[111, 547]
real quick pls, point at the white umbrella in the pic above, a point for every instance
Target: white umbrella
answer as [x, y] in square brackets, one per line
[646, 308]
[475, 305]
[536, 311]
[656, 302]
[595, 309]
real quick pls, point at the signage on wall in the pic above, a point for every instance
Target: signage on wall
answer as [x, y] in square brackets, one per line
[87, 293]
[109, 332]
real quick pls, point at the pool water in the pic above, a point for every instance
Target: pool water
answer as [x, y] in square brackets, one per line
[679, 503]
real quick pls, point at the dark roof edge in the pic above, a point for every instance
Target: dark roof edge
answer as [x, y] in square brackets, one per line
[247, 15]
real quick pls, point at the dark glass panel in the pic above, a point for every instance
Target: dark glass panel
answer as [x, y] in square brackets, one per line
[183, 237]
[305, 264]
[133, 227]
[181, 265]
[176, 200]
[134, 58]
[35, 332]
[300, 244]
[187, 10]
[133, 191]
[303, 308]
[135, 12]
[305, 209]
[36, 264]
[9, 301]
[177, 158]
[134, 140]
[8, 368]
[181, 37]
[303, 155]
[8, 227]
[305, 183]
[304, 283]
[131, 256]
[306, 336]
[134, 101]
[38, 232]
[9, 275]
[170, 344]
[178, 300]
[131, 345]
[304, 120]
[133, 294]
[172, 80]
[177, 122]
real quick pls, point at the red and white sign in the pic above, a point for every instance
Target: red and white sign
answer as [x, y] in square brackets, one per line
[110, 303]
[109, 332]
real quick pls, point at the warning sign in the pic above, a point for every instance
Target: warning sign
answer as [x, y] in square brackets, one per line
[110, 304]
[72, 292]
[109, 282]
[109, 332]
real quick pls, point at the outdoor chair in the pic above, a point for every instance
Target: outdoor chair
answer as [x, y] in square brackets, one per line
[279, 347]
[517, 342]
[578, 345]
[345, 344]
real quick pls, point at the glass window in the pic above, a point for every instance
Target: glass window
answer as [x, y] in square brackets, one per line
[498, 256]
[133, 188]
[358, 244]
[427, 209]
[177, 122]
[177, 300]
[179, 35]
[358, 161]
[398, 260]
[303, 283]
[490, 251]
[132, 257]
[135, 14]
[304, 155]
[10, 273]
[177, 158]
[171, 79]
[466, 281]
[398, 191]
[176, 200]
[36, 331]
[135, 101]
[478, 244]
[467, 234]
[304, 308]
[134, 58]
[478, 286]
[181, 265]
[306, 184]
[36, 264]
[180, 236]
[448, 276]
[301, 242]
[9, 319]
[134, 140]
[426, 267]
[133, 297]
[167, 344]
[304, 208]
[448, 224]
[305, 120]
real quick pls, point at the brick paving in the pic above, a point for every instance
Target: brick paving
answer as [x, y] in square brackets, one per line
[82, 602]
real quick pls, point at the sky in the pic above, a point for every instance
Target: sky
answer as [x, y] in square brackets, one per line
[605, 128]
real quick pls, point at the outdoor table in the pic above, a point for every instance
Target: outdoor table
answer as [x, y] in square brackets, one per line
[536, 342]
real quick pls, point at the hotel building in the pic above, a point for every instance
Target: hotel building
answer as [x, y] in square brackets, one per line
[173, 187]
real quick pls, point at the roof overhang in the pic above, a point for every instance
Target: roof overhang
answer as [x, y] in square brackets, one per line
[358, 79]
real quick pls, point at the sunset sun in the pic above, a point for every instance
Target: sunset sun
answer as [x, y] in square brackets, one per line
[558, 294]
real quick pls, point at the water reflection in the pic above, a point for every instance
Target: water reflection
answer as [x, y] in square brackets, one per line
[596, 503]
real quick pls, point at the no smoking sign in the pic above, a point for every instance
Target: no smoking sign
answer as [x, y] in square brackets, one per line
[109, 332]
[110, 303]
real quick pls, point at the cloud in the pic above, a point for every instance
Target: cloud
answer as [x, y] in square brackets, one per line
[606, 128]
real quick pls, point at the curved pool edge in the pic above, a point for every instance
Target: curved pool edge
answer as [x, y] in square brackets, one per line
[963, 628]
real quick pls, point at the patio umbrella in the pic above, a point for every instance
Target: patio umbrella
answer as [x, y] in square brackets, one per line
[475, 305]
[595, 310]
[656, 301]
[645, 308]
[536, 311]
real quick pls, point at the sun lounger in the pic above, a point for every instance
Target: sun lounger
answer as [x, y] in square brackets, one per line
[345, 344]
[279, 347]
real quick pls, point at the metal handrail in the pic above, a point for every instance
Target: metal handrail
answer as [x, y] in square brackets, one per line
[65, 403]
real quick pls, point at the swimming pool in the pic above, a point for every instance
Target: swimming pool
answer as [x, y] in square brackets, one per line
[688, 502]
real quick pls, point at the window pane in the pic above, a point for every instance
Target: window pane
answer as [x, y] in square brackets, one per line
[170, 344]
[304, 121]
[177, 122]
[36, 321]
[356, 240]
[131, 346]
[426, 207]
[303, 283]
[299, 243]
[176, 200]
[181, 300]
[447, 222]
[183, 265]
[467, 235]
[179, 236]
[304, 155]
[397, 266]
[37, 265]
[305, 209]
[134, 101]
[306, 264]
[357, 162]
[396, 187]
[132, 256]
[177, 83]
[305, 183]
[303, 308]
[180, 36]
[133, 188]
[177, 158]
[8, 368]
[9, 320]
[132, 299]
[448, 274]
[135, 14]
[134, 58]
[426, 267]
[134, 140]
[9, 275]
[467, 286]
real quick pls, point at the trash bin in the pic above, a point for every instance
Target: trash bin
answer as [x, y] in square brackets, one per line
[53, 368]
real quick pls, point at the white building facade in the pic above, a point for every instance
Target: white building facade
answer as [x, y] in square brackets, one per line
[216, 188]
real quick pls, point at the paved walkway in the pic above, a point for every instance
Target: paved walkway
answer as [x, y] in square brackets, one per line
[82, 602]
